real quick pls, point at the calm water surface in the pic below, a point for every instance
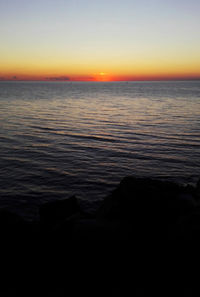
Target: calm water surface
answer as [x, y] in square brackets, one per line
[64, 138]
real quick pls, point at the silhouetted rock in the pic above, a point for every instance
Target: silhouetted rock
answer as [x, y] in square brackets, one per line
[141, 213]
[16, 231]
[188, 227]
[8, 218]
[198, 189]
[134, 194]
[55, 212]
[152, 207]
[12, 225]
[100, 230]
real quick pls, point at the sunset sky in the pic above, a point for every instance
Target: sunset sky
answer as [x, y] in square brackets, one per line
[99, 40]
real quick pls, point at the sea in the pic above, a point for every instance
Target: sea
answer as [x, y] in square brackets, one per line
[59, 139]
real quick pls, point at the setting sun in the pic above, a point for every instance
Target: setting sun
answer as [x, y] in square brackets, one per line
[102, 76]
[99, 147]
[114, 40]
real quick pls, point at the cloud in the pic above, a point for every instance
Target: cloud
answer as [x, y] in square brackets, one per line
[59, 78]
[85, 78]
[2, 78]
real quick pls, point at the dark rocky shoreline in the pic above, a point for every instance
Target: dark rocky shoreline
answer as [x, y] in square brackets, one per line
[144, 224]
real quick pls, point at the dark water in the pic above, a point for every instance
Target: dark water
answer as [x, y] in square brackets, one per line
[59, 139]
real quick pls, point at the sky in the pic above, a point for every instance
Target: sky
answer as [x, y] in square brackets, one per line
[99, 40]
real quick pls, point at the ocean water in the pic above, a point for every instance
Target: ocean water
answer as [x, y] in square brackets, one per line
[58, 139]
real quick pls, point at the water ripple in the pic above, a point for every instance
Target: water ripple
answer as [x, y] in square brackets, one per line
[59, 139]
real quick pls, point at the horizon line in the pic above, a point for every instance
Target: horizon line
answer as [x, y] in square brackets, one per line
[68, 81]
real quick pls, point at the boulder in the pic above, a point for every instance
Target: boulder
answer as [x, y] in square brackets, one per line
[55, 212]
[13, 229]
[198, 189]
[188, 227]
[152, 207]
[9, 219]
[137, 194]
[100, 230]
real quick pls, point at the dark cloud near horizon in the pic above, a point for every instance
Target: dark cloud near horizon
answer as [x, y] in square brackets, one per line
[84, 77]
[7, 78]
[59, 78]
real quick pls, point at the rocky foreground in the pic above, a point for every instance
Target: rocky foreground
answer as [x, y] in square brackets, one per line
[142, 241]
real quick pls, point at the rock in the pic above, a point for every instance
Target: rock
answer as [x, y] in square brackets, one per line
[134, 194]
[14, 229]
[188, 227]
[100, 230]
[55, 212]
[198, 189]
[8, 218]
[152, 207]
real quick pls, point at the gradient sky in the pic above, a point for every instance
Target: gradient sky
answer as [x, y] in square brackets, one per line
[99, 40]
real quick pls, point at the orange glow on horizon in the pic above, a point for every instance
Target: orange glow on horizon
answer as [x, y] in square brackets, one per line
[98, 77]
[120, 42]
[103, 76]
[101, 70]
